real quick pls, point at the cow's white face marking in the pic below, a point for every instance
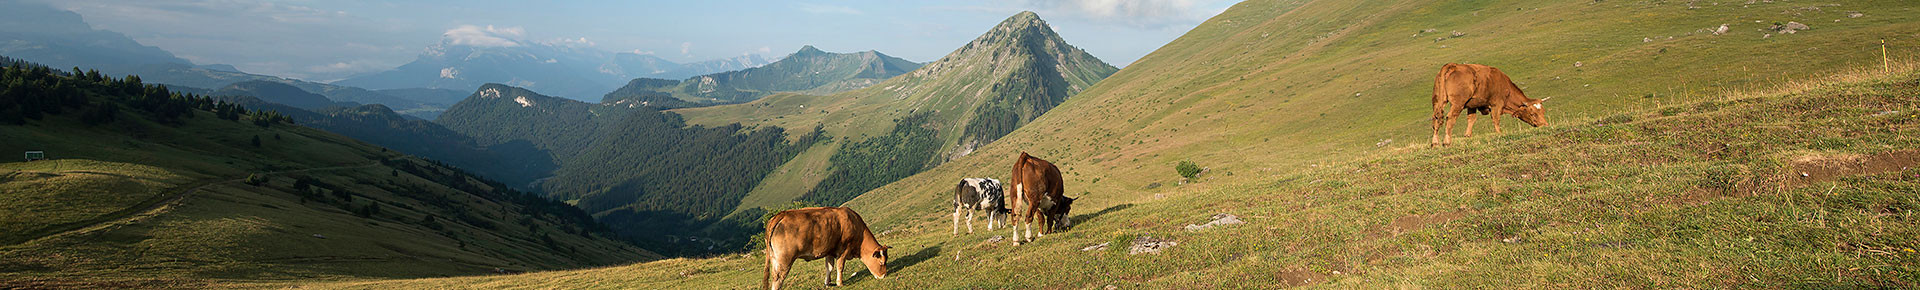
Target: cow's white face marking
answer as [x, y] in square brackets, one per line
[1537, 106]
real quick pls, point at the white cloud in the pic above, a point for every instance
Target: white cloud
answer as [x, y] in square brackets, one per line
[352, 66]
[766, 49]
[827, 9]
[1136, 13]
[642, 52]
[487, 36]
[686, 47]
[580, 42]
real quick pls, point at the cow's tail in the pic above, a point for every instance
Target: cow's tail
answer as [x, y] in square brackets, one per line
[1441, 102]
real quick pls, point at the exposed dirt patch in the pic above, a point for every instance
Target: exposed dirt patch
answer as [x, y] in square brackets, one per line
[1296, 278]
[1415, 222]
[1815, 169]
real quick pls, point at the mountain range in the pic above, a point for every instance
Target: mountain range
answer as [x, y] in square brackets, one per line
[562, 70]
[644, 170]
[809, 71]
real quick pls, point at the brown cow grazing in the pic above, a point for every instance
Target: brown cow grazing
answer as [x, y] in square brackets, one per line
[834, 233]
[1479, 89]
[1038, 193]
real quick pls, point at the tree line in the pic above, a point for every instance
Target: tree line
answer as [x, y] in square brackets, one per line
[30, 92]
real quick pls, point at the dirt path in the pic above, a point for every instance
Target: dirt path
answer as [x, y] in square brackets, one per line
[154, 206]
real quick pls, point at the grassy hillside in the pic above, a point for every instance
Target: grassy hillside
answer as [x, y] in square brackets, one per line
[150, 188]
[1704, 194]
[1670, 162]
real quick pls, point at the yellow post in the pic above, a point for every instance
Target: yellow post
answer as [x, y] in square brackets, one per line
[1884, 64]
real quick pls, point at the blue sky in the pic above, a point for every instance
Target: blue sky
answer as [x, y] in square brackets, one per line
[328, 40]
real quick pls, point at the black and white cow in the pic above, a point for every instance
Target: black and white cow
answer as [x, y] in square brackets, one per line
[975, 194]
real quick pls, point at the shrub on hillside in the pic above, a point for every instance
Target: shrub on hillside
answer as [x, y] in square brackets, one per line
[1187, 169]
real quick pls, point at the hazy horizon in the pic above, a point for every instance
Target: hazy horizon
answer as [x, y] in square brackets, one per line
[331, 40]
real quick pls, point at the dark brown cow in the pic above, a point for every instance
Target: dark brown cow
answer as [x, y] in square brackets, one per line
[1479, 89]
[1038, 193]
[835, 233]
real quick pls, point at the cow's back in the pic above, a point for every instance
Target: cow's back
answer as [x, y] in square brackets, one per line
[815, 232]
[1497, 85]
[1472, 86]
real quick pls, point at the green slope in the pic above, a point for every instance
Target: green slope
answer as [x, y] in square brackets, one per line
[1009, 75]
[1660, 170]
[166, 193]
[643, 171]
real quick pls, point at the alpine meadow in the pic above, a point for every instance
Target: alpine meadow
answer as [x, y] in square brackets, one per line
[1139, 144]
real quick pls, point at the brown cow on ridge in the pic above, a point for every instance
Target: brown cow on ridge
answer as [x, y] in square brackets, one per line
[835, 233]
[1479, 89]
[1038, 192]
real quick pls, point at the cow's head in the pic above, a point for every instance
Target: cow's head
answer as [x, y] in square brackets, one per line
[876, 260]
[1059, 214]
[1535, 113]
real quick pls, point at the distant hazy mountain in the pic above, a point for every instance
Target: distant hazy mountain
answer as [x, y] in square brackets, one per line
[707, 67]
[61, 39]
[809, 70]
[282, 94]
[572, 72]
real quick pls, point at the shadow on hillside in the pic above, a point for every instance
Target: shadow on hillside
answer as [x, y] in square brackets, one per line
[897, 264]
[1079, 219]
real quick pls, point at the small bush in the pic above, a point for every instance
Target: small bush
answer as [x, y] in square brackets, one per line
[1187, 169]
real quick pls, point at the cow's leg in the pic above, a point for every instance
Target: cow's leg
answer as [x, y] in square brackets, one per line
[1029, 222]
[956, 220]
[1470, 118]
[990, 215]
[838, 276]
[1046, 224]
[1453, 112]
[826, 274]
[777, 265]
[970, 221]
[1018, 200]
[1439, 115]
[1496, 119]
